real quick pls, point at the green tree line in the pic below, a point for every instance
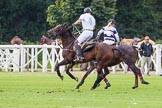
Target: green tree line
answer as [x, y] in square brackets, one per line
[30, 19]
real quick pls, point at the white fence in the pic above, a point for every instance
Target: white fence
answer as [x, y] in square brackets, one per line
[25, 58]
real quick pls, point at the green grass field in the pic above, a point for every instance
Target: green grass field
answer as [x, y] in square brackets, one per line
[46, 90]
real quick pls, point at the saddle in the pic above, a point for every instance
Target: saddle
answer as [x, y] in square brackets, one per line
[88, 45]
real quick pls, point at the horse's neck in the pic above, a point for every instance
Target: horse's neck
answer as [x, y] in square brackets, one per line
[68, 41]
[50, 41]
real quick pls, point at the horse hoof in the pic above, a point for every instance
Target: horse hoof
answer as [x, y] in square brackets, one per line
[134, 87]
[145, 82]
[92, 88]
[76, 79]
[107, 85]
[61, 77]
[77, 87]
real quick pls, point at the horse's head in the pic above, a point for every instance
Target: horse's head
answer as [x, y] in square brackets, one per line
[58, 30]
[16, 40]
[43, 40]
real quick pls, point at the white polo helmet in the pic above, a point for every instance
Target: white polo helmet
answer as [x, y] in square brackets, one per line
[87, 10]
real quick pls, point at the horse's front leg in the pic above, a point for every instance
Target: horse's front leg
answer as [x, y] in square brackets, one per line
[68, 72]
[91, 68]
[100, 76]
[106, 72]
[63, 62]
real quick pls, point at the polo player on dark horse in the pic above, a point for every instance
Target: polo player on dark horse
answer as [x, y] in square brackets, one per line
[103, 54]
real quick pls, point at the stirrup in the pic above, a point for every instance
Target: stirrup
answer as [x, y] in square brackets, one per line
[81, 58]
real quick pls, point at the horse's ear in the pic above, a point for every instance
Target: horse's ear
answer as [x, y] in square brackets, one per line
[64, 24]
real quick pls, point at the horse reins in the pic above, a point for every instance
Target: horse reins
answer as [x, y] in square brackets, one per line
[74, 29]
[66, 49]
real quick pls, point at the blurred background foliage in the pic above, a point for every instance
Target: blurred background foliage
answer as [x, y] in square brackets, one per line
[30, 19]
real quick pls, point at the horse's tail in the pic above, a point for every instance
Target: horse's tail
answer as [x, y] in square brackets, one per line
[136, 49]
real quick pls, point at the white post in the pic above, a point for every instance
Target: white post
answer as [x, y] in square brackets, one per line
[32, 60]
[23, 58]
[53, 59]
[113, 69]
[6, 65]
[36, 59]
[44, 58]
[16, 59]
[124, 67]
[158, 59]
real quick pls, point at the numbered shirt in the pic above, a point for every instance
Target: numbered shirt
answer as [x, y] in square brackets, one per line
[88, 21]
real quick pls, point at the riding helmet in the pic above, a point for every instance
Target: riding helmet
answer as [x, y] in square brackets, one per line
[112, 20]
[87, 10]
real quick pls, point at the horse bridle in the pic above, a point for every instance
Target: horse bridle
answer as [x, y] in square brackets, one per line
[71, 42]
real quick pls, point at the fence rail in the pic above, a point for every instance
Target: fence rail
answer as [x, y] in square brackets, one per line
[30, 57]
[43, 58]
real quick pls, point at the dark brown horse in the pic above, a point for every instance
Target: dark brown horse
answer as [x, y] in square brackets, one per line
[48, 41]
[16, 40]
[103, 54]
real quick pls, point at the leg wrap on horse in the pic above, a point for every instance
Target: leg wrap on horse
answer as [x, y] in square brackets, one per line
[98, 80]
[107, 83]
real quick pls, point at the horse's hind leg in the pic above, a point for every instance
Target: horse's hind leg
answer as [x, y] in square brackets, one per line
[106, 71]
[67, 72]
[91, 68]
[137, 73]
[141, 78]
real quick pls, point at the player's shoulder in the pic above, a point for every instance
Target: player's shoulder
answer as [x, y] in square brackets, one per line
[112, 28]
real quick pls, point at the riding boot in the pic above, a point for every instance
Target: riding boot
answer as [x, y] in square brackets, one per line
[79, 53]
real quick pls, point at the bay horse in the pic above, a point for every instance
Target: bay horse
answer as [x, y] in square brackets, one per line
[16, 40]
[134, 41]
[48, 41]
[103, 54]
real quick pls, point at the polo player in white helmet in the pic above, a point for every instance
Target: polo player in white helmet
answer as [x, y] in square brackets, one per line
[88, 25]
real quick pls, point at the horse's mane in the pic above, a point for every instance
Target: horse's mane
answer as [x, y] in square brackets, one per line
[72, 35]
